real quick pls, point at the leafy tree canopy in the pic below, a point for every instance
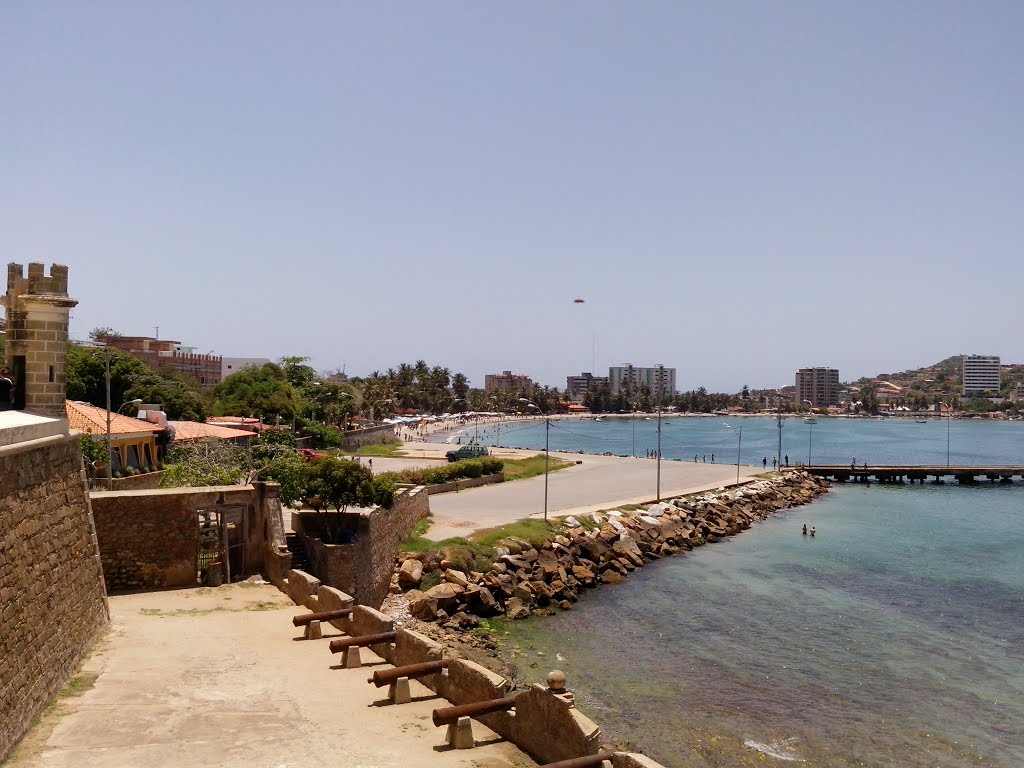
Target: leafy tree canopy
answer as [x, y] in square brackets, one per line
[257, 392]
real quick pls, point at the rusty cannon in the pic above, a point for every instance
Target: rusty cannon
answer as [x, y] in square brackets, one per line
[351, 645]
[460, 727]
[306, 618]
[398, 678]
[385, 676]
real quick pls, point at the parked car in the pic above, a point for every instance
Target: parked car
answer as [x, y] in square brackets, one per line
[310, 454]
[467, 452]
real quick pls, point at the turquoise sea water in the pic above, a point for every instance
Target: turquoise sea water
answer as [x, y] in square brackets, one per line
[895, 637]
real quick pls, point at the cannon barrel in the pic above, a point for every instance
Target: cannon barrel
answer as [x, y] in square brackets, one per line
[306, 618]
[448, 715]
[587, 761]
[384, 676]
[339, 645]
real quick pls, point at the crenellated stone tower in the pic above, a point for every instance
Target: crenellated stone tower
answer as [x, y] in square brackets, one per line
[38, 307]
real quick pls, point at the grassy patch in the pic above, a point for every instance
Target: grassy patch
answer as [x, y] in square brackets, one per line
[78, 685]
[534, 531]
[519, 469]
[381, 449]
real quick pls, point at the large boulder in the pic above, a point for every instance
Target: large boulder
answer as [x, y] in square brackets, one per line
[410, 574]
[514, 609]
[446, 595]
[458, 578]
[423, 608]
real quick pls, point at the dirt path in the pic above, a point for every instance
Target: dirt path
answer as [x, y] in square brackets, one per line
[215, 677]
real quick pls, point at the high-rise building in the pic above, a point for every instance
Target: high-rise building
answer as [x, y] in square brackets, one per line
[658, 380]
[506, 381]
[981, 375]
[578, 387]
[819, 386]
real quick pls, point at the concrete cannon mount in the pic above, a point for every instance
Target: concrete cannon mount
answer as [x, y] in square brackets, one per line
[217, 677]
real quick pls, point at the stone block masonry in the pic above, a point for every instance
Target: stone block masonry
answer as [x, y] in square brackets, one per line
[51, 586]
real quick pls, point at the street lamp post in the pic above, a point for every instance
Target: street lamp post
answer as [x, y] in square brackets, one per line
[547, 451]
[949, 415]
[739, 441]
[657, 485]
[780, 421]
[810, 432]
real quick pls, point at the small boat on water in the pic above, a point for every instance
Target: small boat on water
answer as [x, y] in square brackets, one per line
[920, 421]
[810, 420]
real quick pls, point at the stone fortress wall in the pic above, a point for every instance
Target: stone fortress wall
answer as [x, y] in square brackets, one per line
[51, 586]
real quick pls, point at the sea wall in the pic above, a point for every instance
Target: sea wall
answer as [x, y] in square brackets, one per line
[602, 548]
[52, 602]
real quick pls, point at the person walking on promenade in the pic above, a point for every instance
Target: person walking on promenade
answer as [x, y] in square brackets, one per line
[712, 458]
[764, 462]
[775, 462]
[787, 459]
[695, 458]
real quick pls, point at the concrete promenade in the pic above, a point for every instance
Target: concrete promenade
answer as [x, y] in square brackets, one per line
[599, 482]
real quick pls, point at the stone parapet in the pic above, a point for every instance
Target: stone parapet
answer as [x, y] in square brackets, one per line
[52, 602]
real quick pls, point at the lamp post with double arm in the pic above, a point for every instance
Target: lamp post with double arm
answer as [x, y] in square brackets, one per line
[547, 451]
[739, 441]
[810, 433]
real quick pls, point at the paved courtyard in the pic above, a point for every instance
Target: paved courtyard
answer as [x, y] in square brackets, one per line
[216, 677]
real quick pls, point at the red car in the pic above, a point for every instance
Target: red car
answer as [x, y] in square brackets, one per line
[310, 454]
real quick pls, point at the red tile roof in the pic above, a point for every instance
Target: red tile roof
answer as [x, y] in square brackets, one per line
[89, 418]
[194, 430]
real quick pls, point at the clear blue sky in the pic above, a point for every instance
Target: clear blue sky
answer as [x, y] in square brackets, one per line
[737, 189]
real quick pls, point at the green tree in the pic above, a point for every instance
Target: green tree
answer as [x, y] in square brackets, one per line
[257, 392]
[199, 463]
[86, 377]
[336, 484]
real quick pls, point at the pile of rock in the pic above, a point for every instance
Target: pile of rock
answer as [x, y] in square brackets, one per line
[601, 549]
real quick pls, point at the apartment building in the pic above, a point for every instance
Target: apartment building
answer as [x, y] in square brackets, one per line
[658, 380]
[506, 381]
[579, 386]
[981, 375]
[819, 386]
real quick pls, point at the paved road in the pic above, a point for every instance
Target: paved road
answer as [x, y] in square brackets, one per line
[599, 482]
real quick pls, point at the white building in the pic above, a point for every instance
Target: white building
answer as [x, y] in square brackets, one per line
[658, 380]
[981, 375]
[230, 365]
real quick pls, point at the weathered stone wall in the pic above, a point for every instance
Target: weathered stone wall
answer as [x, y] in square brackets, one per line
[51, 587]
[363, 567]
[466, 482]
[149, 539]
[357, 438]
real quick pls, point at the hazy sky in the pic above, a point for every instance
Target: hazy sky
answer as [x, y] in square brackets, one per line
[737, 189]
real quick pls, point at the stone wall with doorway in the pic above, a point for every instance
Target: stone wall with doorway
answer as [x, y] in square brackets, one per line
[52, 602]
[150, 538]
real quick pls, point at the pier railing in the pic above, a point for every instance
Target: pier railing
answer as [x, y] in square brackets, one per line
[899, 473]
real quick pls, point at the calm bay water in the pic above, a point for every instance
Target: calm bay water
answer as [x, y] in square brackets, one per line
[895, 637]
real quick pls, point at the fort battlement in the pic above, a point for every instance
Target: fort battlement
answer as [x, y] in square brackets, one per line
[37, 309]
[38, 282]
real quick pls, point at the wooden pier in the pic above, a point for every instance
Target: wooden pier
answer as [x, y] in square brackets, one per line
[891, 473]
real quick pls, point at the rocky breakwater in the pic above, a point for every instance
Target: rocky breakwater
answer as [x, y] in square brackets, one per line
[600, 548]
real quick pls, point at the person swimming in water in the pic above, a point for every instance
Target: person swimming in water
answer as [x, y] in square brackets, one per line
[812, 530]
[805, 529]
